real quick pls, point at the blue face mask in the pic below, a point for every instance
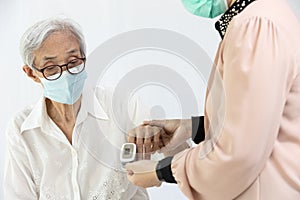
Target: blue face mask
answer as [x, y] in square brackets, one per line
[206, 8]
[67, 89]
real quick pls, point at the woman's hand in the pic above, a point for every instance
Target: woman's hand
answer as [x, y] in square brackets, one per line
[160, 135]
[143, 173]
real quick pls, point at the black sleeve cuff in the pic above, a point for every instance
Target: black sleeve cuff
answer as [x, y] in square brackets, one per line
[164, 172]
[198, 131]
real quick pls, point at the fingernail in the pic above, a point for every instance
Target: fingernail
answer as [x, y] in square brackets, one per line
[130, 173]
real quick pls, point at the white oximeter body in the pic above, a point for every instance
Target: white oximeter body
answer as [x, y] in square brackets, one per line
[128, 153]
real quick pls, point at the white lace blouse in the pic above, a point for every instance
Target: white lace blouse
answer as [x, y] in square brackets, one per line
[42, 164]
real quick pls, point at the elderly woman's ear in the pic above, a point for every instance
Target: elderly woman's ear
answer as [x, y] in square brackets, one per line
[30, 73]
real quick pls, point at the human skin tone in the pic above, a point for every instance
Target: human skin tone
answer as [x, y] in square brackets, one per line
[230, 2]
[59, 48]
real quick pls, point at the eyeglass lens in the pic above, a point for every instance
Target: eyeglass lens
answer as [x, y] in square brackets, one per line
[54, 71]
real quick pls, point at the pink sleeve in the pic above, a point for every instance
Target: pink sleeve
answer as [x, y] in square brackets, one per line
[255, 77]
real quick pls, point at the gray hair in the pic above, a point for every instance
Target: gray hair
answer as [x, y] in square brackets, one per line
[38, 33]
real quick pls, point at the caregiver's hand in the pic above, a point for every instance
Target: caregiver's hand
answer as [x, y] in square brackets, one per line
[143, 173]
[160, 135]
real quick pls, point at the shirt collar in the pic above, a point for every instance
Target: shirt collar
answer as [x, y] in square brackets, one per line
[38, 116]
[90, 104]
[236, 8]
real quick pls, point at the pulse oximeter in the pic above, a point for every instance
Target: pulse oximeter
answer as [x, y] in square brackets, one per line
[128, 153]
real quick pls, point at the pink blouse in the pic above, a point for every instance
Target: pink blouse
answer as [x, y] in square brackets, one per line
[252, 112]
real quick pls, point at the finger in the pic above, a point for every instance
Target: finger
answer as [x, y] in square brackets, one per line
[165, 138]
[158, 123]
[148, 142]
[147, 156]
[140, 143]
[164, 142]
[130, 175]
[130, 172]
[132, 136]
[146, 122]
[129, 166]
[156, 140]
[161, 144]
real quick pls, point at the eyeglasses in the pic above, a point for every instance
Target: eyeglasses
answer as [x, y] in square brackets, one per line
[53, 72]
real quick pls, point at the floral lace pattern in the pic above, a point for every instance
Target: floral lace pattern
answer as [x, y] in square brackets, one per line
[112, 188]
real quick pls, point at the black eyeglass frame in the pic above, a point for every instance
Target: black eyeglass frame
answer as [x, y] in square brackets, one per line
[61, 68]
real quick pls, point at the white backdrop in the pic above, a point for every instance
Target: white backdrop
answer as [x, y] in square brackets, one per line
[100, 20]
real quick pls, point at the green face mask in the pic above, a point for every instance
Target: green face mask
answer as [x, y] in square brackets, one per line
[206, 8]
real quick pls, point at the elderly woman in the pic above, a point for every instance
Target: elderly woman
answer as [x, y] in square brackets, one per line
[249, 139]
[63, 148]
